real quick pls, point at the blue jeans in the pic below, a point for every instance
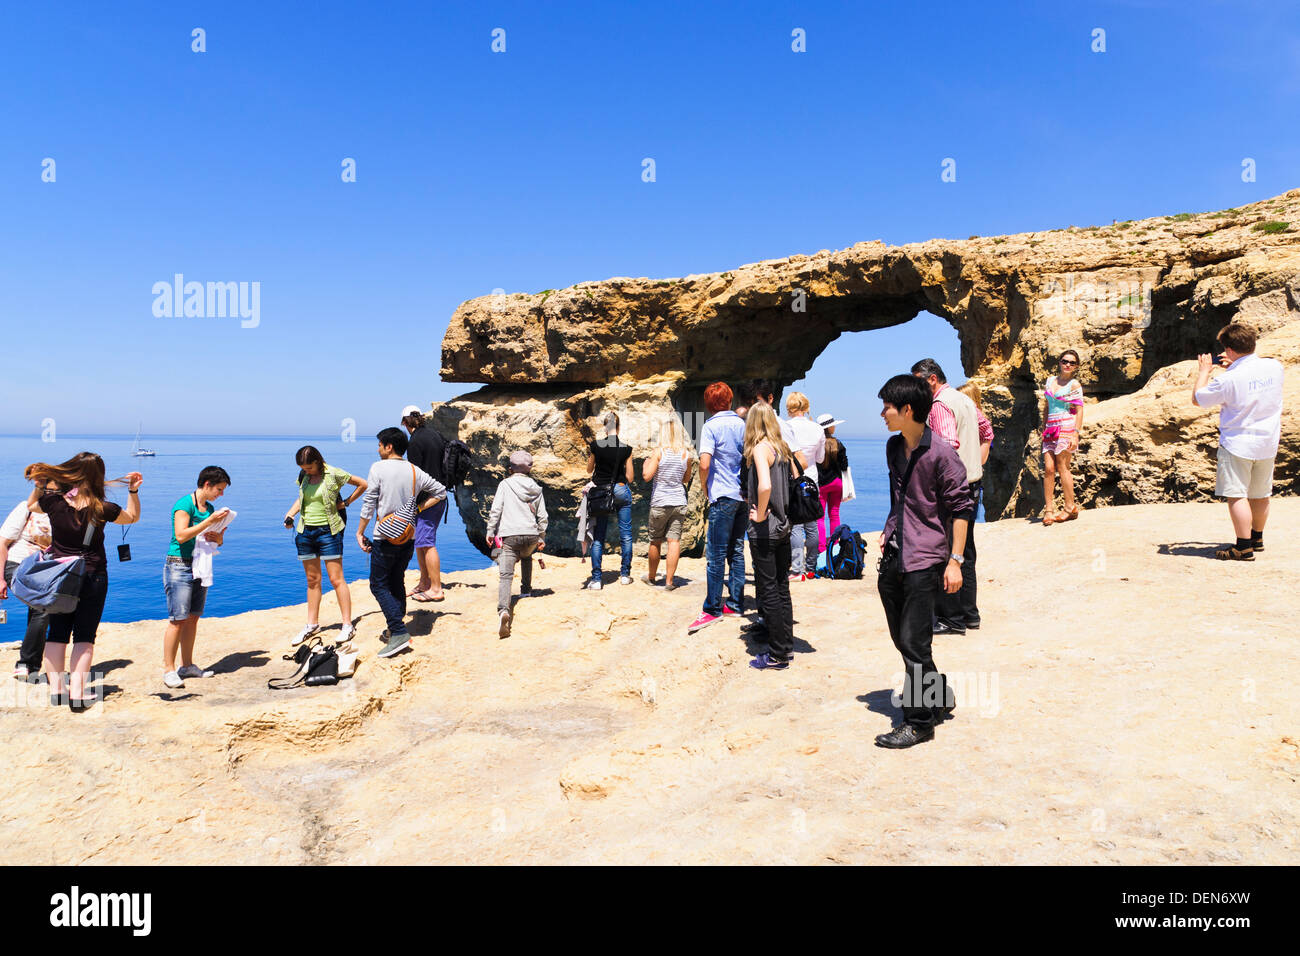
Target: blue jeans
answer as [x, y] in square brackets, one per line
[728, 519]
[388, 563]
[623, 498]
[803, 548]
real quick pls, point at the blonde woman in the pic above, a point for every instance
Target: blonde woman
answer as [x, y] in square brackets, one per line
[767, 460]
[808, 440]
[670, 468]
[972, 391]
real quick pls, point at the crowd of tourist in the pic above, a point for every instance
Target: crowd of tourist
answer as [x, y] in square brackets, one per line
[758, 474]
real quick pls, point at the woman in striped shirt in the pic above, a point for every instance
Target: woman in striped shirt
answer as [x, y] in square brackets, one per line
[1063, 418]
[670, 467]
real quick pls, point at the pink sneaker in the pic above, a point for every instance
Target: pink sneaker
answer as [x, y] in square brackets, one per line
[726, 611]
[704, 620]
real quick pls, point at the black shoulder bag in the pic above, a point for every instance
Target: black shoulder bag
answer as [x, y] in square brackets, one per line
[805, 503]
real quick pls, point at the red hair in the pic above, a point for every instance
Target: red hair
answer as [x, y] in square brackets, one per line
[717, 397]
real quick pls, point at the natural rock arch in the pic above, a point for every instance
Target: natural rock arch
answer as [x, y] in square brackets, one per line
[1133, 298]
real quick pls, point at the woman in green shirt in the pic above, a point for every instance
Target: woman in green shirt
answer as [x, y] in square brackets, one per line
[192, 515]
[317, 518]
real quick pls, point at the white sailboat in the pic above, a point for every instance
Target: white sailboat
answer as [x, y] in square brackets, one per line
[137, 451]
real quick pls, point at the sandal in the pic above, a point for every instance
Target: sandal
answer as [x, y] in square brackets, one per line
[1050, 519]
[1235, 554]
[423, 597]
[1071, 514]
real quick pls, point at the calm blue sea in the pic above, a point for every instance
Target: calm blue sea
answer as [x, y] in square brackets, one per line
[258, 567]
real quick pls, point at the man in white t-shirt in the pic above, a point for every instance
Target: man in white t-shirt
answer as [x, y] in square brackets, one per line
[1250, 426]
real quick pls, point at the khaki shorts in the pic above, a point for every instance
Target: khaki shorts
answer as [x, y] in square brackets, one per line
[666, 523]
[1243, 477]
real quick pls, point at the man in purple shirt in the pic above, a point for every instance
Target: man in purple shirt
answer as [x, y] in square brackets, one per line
[927, 492]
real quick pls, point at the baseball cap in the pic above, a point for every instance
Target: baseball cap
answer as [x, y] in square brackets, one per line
[412, 410]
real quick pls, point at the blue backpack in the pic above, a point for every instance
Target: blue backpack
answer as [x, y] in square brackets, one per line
[846, 555]
[53, 585]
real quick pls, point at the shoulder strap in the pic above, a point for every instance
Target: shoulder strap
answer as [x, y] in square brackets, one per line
[896, 506]
[412, 481]
[90, 532]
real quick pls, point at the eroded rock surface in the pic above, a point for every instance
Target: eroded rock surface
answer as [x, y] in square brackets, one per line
[1133, 298]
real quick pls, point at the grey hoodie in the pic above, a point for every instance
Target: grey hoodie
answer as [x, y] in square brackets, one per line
[517, 508]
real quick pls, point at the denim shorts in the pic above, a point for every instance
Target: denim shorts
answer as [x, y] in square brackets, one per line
[315, 541]
[185, 597]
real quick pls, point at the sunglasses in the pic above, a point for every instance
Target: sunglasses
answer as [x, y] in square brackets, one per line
[1069, 363]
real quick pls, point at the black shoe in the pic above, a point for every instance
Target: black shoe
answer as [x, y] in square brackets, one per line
[757, 626]
[972, 625]
[941, 628]
[903, 736]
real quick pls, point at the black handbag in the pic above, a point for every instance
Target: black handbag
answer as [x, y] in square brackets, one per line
[323, 668]
[805, 502]
[318, 665]
[600, 501]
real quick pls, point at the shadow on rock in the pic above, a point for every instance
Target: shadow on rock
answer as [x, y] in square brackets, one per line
[881, 702]
[423, 620]
[233, 662]
[106, 667]
[1191, 549]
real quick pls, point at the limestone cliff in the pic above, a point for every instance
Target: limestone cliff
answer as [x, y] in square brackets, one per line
[1133, 298]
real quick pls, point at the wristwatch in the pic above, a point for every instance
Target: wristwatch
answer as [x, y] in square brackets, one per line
[958, 558]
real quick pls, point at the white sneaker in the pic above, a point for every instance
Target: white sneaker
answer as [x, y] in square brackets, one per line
[20, 672]
[504, 630]
[347, 633]
[191, 670]
[625, 579]
[592, 585]
[173, 680]
[305, 633]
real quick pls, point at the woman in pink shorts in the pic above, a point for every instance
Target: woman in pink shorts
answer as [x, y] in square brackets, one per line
[1063, 418]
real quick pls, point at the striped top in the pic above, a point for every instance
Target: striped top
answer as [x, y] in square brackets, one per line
[1062, 402]
[668, 489]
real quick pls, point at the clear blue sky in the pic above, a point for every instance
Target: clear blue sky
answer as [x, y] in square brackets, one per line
[522, 171]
